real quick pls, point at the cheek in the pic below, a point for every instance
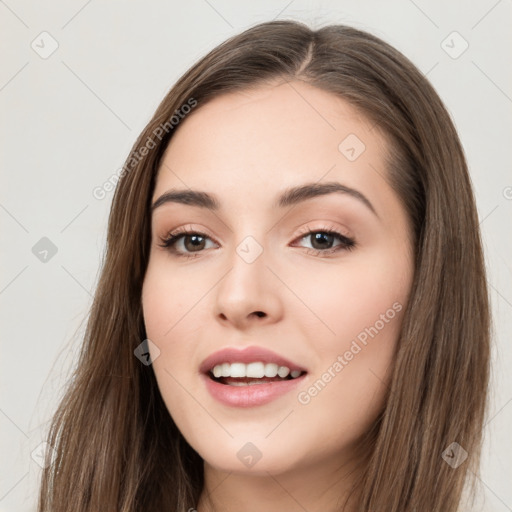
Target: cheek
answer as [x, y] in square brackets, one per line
[168, 310]
[158, 300]
[165, 304]
[168, 299]
[347, 389]
[365, 290]
[363, 305]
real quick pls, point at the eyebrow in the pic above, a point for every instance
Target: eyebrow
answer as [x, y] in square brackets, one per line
[290, 197]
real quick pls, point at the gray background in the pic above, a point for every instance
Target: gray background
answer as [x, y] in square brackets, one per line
[70, 118]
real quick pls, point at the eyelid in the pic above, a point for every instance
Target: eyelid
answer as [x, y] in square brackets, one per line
[348, 242]
[326, 227]
[188, 229]
[185, 231]
[306, 230]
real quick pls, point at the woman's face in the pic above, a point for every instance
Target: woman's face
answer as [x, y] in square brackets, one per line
[299, 247]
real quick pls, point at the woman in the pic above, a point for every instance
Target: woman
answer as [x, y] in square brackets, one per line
[226, 364]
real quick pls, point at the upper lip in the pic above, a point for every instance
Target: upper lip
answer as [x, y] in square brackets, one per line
[246, 355]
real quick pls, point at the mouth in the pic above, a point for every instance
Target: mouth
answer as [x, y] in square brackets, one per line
[255, 373]
[249, 377]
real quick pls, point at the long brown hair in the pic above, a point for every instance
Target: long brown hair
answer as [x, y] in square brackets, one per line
[117, 447]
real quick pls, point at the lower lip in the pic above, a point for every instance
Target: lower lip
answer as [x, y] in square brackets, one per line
[250, 396]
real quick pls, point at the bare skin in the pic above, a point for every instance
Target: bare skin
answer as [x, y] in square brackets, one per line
[316, 297]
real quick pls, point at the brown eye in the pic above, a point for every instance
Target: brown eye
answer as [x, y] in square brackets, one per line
[185, 243]
[322, 240]
[193, 242]
[190, 243]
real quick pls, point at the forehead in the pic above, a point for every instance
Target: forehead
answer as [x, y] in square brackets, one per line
[253, 143]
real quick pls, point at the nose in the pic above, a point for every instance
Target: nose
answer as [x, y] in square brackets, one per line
[249, 294]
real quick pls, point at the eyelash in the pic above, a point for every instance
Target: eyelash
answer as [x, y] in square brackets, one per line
[347, 244]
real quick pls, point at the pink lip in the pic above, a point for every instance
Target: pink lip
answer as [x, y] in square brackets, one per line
[247, 355]
[250, 396]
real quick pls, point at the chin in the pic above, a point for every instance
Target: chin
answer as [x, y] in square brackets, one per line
[246, 458]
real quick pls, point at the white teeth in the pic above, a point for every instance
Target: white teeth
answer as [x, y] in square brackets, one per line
[226, 369]
[271, 370]
[238, 370]
[283, 371]
[256, 370]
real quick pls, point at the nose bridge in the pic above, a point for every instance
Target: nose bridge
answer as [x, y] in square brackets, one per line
[248, 287]
[251, 238]
[247, 262]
